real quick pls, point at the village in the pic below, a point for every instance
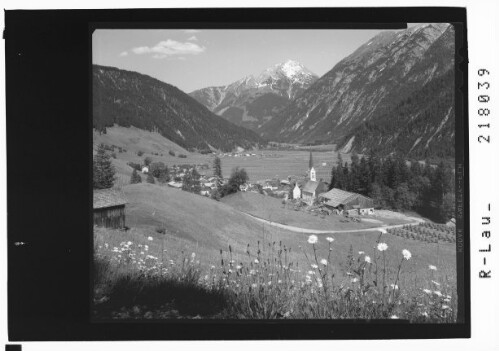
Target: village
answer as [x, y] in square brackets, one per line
[298, 192]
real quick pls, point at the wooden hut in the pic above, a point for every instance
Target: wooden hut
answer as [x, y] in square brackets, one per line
[109, 208]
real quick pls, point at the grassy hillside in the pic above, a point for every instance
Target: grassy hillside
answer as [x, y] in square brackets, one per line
[187, 271]
[197, 224]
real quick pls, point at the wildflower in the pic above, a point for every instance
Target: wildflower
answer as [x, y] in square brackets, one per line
[256, 261]
[445, 307]
[312, 239]
[425, 314]
[311, 272]
[270, 283]
[436, 283]
[324, 262]
[193, 255]
[394, 287]
[146, 247]
[382, 246]
[427, 291]
[361, 252]
[253, 286]
[238, 267]
[432, 267]
[141, 252]
[252, 272]
[367, 259]
[446, 300]
[438, 293]
[106, 245]
[354, 280]
[314, 266]
[407, 254]
[319, 283]
[115, 249]
[448, 296]
[279, 281]
[230, 271]
[129, 243]
[329, 239]
[394, 317]
[212, 267]
[308, 279]
[150, 238]
[382, 231]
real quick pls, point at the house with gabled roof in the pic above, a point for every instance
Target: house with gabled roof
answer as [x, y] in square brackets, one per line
[109, 208]
[342, 200]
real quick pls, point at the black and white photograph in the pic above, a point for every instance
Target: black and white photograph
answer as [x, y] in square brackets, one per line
[274, 174]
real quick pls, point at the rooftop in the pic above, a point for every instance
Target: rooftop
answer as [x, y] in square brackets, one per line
[108, 198]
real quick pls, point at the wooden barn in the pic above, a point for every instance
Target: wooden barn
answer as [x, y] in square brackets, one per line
[109, 208]
[342, 200]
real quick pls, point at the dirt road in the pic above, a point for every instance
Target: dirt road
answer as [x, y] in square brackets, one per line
[315, 231]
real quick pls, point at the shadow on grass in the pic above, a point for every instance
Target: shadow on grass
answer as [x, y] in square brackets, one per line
[172, 297]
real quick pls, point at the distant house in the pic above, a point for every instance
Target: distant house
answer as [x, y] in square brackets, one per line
[176, 185]
[451, 222]
[342, 200]
[296, 192]
[285, 182]
[109, 208]
[145, 169]
[244, 187]
[312, 190]
[205, 191]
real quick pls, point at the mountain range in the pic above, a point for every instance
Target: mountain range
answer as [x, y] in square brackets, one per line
[252, 101]
[369, 89]
[395, 93]
[129, 99]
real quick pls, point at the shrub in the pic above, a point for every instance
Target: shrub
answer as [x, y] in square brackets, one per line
[182, 156]
[171, 153]
[140, 153]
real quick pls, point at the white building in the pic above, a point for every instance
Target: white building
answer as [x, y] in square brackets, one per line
[296, 192]
[145, 169]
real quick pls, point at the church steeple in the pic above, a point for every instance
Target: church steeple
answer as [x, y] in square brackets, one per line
[310, 162]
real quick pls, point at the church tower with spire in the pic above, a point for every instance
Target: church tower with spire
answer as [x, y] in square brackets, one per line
[311, 169]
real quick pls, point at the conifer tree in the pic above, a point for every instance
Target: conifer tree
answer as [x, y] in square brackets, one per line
[217, 171]
[150, 178]
[135, 178]
[103, 169]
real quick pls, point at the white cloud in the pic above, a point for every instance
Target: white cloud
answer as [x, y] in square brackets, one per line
[191, 30]
[124, 53]
[193, 38]
[170, 47]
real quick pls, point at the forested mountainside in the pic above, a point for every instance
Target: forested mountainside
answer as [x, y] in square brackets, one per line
[132, 99]
[380, 88]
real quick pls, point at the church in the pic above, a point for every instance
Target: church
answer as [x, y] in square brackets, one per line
[312, 188]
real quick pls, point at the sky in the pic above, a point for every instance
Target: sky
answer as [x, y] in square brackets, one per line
[195, 59]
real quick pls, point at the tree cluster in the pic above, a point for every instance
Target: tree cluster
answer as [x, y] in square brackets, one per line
[392, 183]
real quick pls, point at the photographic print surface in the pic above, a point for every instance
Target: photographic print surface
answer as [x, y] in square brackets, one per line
[274, 174]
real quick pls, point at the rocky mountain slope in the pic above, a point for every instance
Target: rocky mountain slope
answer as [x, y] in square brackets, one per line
[131, 99]
[370, 88]
[251, 101]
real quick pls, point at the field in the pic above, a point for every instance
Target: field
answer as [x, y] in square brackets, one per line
[267, 164]
[272, 209]
[176, 224]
